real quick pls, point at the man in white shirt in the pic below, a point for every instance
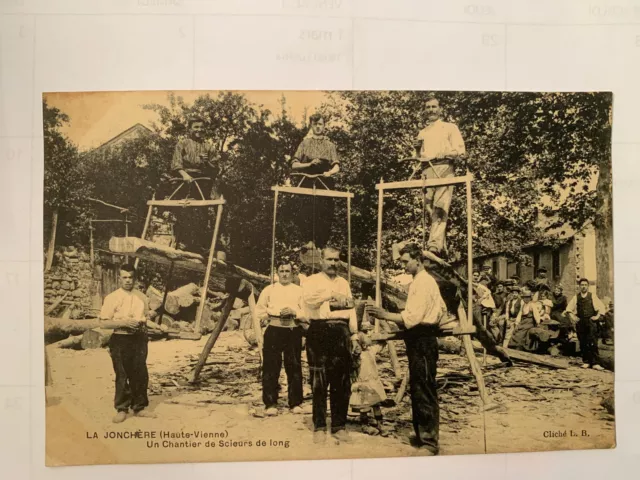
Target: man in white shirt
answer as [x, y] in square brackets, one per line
[281, 305]
[126, 311]
[421, 317]
[585, 309]
[332, 334]
[439, 144]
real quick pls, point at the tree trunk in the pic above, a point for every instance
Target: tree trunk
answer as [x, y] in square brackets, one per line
[70, 342]
[604, 232]
[96, 338]
[52, 240]
[61, 326]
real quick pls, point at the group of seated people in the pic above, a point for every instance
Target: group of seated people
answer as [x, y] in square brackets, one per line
[531, 316]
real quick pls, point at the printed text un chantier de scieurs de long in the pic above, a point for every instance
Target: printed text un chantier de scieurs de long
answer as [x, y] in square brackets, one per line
[182, 439]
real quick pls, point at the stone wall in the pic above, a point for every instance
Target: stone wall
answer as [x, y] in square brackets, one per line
[70, 274]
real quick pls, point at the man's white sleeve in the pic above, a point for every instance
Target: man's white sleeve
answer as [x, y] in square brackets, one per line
[417, 304]
[263, 300]
[316, 294]
[456, 140]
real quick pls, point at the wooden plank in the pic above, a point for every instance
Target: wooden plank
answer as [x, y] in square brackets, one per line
[310, 191]
[186, 203]
[399, 335]
[526, 357]
[435, 182]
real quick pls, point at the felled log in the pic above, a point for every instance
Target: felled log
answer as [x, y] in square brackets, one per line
[155, 301]
[526, 357]
[62, 326]
[186, 295]
[96, 338]
[162, 254]
[70, 342]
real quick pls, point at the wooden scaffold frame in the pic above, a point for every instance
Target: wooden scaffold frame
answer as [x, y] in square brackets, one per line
[315, 192]
[465, 318]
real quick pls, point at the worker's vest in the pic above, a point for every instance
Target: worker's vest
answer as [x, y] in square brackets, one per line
[584, 306]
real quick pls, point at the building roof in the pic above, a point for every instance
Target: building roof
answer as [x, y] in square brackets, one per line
[136, 131]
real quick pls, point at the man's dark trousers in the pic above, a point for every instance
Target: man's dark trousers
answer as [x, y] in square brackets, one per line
[422, 352]
[129, 357]
[279, 342]
[587, 331]
[329, 357]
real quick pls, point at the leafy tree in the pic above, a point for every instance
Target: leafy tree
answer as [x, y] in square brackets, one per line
[65, 188]
[521, 147]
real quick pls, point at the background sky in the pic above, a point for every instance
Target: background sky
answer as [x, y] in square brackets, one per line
[96, 117]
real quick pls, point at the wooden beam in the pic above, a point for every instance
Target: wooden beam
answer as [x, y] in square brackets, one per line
[273, 238]
[435, 182]
[145, 228]
[449, 332]
[207, 274]
[257, 329]
[310, 191]
[186, 203]
[108, 220]
[233, 287]
[349, 240]
[122, 209]
[471, 356]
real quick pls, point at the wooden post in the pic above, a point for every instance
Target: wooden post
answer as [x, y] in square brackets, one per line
[349, 240]
[379, 254]
[228, 306]
[166, 292]
[393, 353]
[207, 275]
[52, 240]
[147, 222]
[92, 253]
[251, 301]
[403, 388]
[126, 233]
[273, 237]
[469, 254]
[471, 356]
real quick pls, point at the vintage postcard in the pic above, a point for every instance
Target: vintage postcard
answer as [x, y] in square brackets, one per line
[299, 275]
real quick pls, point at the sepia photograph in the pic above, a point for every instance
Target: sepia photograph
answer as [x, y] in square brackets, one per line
[304, 275]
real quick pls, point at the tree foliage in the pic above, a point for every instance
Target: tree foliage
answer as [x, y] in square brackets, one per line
[531, 155]
[65, 185]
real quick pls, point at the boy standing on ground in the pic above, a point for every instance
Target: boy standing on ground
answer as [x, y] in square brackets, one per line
[126, 311]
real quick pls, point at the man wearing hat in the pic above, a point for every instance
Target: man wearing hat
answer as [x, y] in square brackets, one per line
[512, 314]
[530, 317]
[541, 277]
[500, 296]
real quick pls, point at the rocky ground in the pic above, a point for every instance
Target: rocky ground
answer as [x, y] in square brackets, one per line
[538, 409]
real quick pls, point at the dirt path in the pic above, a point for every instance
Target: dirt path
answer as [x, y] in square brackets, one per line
[229, 396]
